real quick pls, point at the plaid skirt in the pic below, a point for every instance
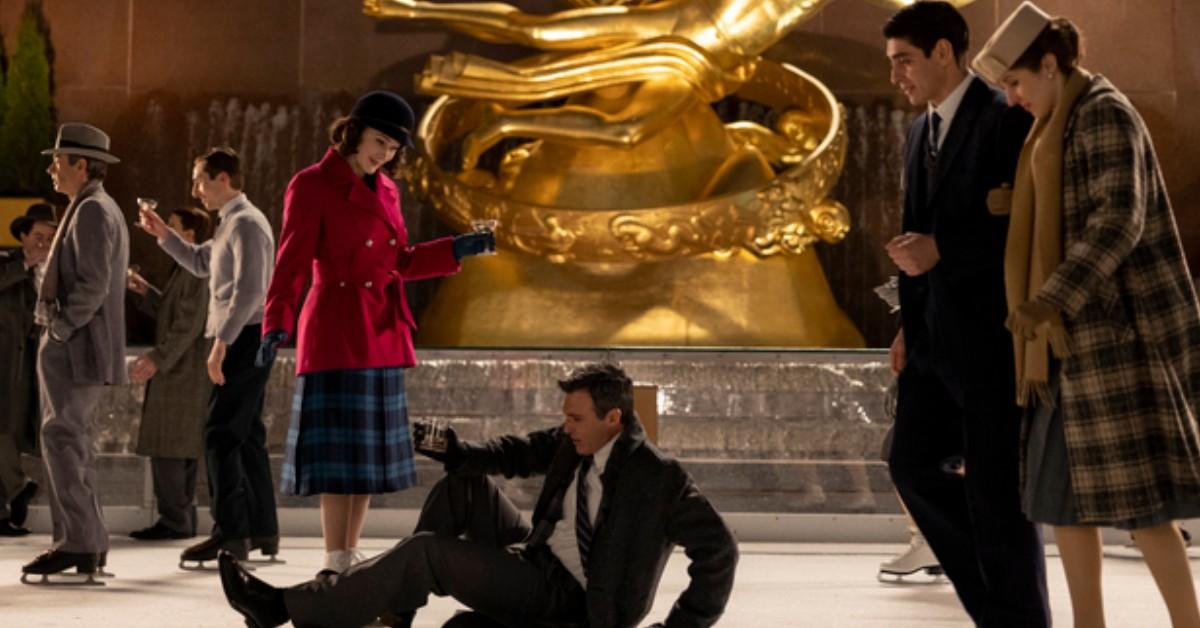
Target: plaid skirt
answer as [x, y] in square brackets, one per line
[349, 434]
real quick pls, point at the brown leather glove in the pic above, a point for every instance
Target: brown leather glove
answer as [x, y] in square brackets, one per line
[999, 200]
[1025, 320]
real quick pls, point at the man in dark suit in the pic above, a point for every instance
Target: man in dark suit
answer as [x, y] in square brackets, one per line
[953, 354]
[81, 306]
[610, 511]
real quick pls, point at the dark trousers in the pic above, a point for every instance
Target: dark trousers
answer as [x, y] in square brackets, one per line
[461, 549]
[175, 492]
[992, 554]
[235, 446]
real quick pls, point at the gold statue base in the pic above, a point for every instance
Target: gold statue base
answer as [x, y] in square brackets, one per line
[710, 300]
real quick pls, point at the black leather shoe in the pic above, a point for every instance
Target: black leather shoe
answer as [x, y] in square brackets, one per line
[18, 508]
[159, 532]
[56, 561]
[8, 529]
[208, 549]
[260, 603]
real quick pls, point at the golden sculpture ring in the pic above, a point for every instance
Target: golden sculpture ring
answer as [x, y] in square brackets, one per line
[783, 216]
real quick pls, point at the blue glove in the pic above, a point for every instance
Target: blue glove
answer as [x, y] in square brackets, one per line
[266, 348]
[471, 244]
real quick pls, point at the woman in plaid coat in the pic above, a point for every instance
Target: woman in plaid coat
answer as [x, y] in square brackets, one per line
[1104, 316]
[343, 231]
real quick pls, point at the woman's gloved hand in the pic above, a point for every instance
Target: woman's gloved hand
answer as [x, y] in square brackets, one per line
[471, 244]
[266, 349]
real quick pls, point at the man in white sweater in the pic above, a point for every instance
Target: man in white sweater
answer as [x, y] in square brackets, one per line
[238, 261]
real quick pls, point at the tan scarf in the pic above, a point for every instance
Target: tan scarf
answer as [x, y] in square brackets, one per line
[1035, 243]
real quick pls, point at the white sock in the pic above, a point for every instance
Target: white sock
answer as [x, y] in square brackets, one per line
[356, 556]
[337, 560]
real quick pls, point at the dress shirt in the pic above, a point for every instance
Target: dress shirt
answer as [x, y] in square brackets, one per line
[948, 107]
[562, 540]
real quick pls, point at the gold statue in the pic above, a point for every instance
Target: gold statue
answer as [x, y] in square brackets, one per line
[631, 214]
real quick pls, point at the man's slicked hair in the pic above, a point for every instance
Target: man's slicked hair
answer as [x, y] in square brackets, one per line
[924, 23]
[608, 385]
[223, 159]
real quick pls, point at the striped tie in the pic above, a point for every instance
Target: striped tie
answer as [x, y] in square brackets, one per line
[583, 520]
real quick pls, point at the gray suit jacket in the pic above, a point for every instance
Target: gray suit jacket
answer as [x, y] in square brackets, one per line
[93, 252]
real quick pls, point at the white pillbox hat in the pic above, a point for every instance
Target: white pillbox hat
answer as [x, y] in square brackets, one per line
[1010, 41]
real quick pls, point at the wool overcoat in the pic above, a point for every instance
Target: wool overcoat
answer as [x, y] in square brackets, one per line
[1130, 387]
[352, 243]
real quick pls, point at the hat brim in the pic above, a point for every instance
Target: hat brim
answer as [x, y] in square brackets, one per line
[391, 129]
[84, 152]
[18, 225]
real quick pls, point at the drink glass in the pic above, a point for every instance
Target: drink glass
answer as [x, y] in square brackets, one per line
[485, 225]
[147, 204]
[431, 435]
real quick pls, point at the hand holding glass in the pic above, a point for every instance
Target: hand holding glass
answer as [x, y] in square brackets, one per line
[485, 225]
[431, 435]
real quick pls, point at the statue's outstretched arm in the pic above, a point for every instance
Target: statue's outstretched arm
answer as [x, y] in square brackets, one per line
[565, 30]
[653, 105]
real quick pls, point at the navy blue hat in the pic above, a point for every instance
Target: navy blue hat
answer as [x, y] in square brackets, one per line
[387, 113]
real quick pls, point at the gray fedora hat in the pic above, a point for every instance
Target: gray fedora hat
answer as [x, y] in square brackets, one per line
[85, 140]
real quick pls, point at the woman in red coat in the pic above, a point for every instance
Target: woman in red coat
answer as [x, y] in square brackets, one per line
[342, 229]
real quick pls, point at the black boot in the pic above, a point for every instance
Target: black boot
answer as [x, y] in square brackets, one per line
[260, 603]
[207, 549]
[159, 532]
[18, 508]
[8, 529]
[268, 545]
[57, 561]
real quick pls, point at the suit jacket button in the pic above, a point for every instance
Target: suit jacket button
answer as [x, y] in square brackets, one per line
[368, 284]
[341, 284]
[392, 242]
[370, 243]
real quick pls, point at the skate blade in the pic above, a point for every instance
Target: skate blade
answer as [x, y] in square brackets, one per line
[269, 560]
[62, 580]
[197, 565]
[924, 575]
[193, 565]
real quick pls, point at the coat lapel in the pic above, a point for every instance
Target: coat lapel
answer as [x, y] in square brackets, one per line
[334, 167]
[630, 439]
[960, 128]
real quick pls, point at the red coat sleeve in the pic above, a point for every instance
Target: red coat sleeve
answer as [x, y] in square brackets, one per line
[434, 258]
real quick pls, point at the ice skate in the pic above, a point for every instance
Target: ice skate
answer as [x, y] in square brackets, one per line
[917, 558]
[268, 546]
[52, 564]
[203, 555]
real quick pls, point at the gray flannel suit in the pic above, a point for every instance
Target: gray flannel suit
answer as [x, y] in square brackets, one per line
[1130, 388]
[82, 351]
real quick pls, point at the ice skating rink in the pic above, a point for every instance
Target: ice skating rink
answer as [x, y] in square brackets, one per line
[823, 585]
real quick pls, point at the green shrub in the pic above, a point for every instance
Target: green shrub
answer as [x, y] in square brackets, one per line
[28, 125]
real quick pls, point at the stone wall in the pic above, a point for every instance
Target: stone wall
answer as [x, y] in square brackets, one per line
[762, 432]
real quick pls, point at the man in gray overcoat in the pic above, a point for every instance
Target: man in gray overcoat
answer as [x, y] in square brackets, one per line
[19, 418]
[81, 304]
[177, 385]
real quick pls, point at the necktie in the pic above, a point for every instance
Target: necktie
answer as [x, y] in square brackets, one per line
[935, 122]
[583, 520]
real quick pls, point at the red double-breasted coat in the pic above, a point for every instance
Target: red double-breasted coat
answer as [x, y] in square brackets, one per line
[351, 242]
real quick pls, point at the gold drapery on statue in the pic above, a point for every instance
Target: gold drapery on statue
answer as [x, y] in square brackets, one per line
[629, 212]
